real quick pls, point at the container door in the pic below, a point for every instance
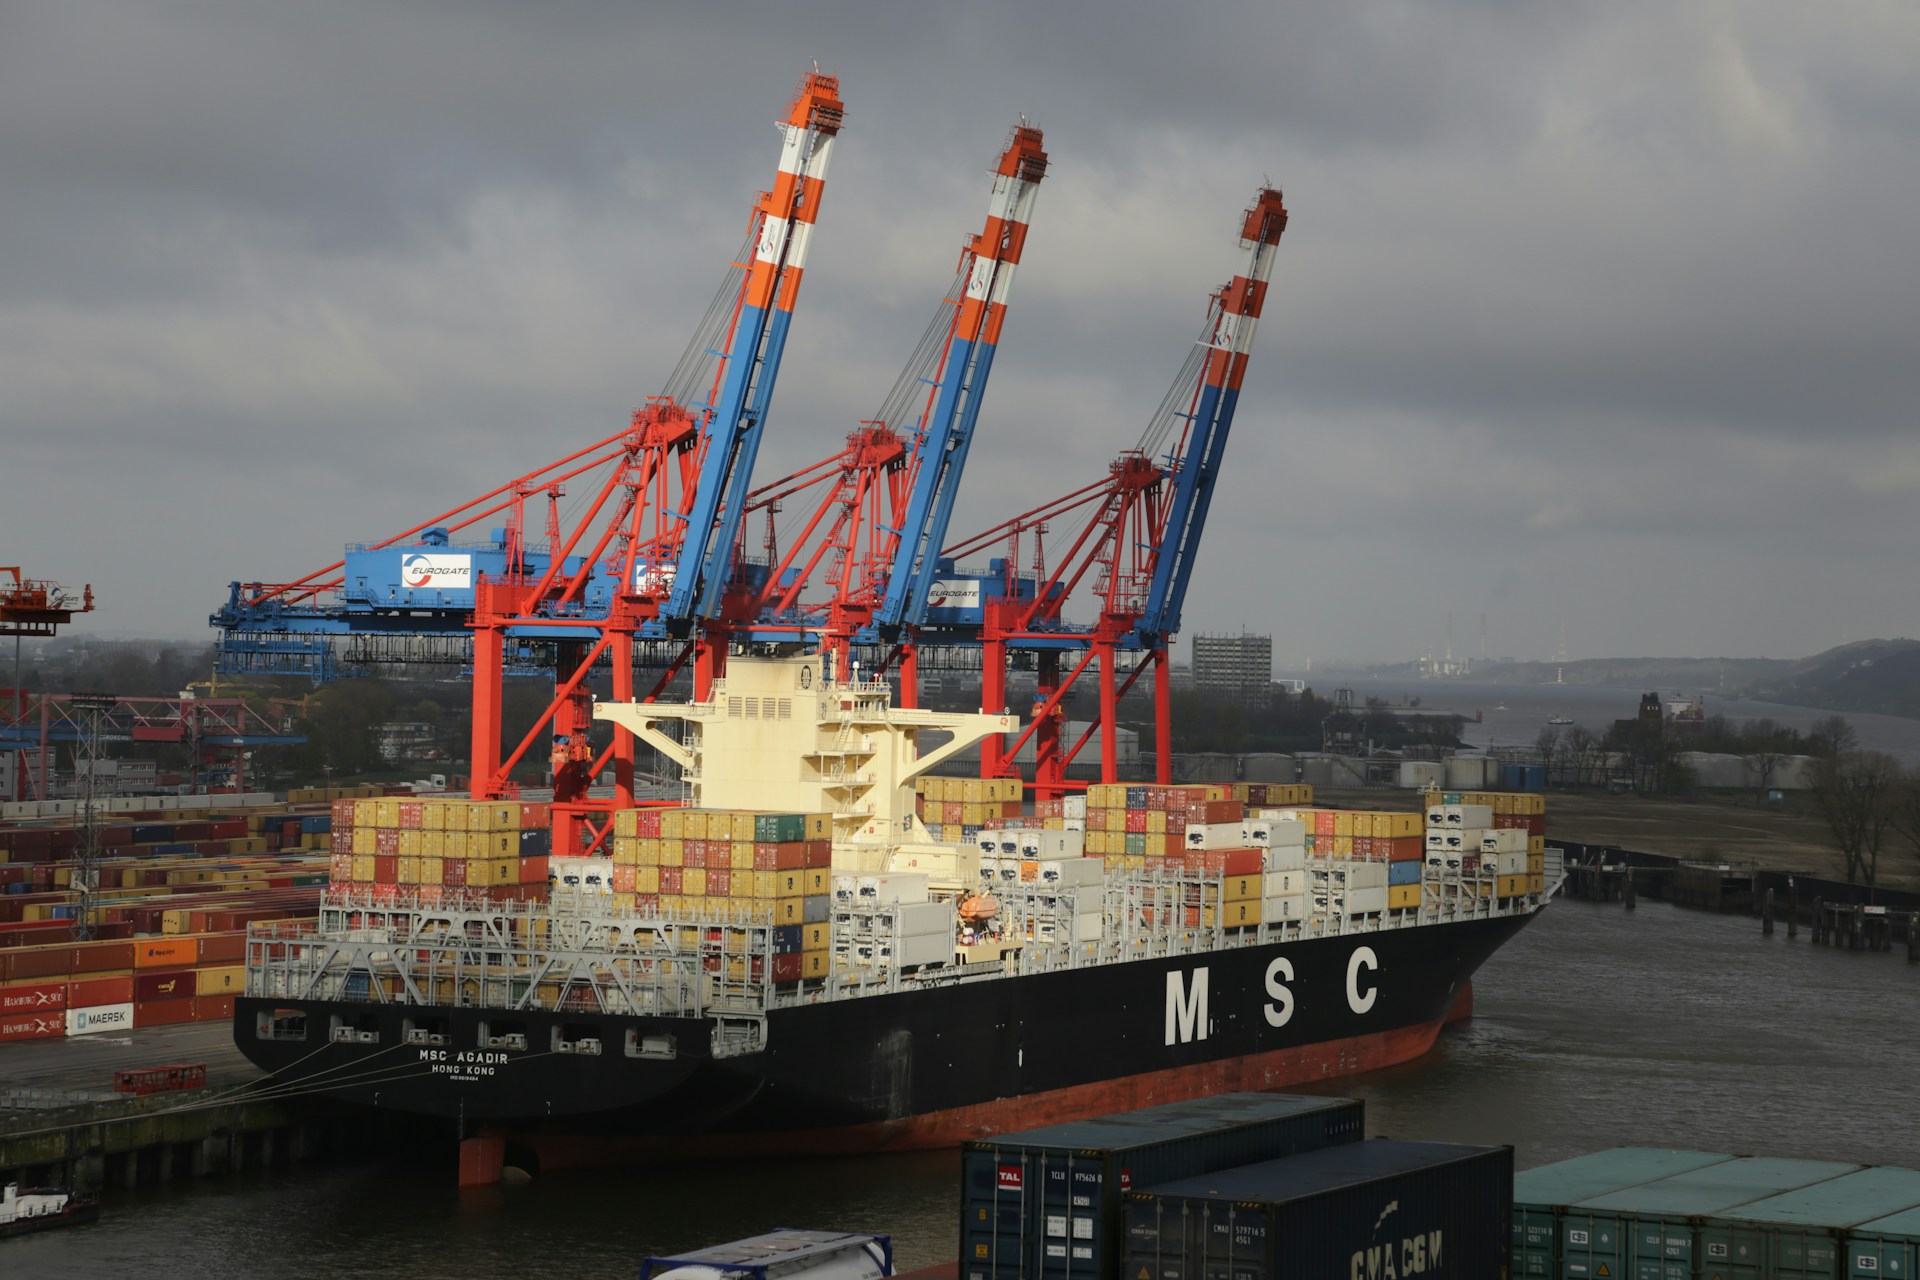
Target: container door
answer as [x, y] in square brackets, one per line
[1590, 1248]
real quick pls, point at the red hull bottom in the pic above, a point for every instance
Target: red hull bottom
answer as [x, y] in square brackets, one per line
[1277, 1070]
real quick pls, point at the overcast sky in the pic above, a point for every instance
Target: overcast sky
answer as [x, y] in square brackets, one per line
[1604, 316]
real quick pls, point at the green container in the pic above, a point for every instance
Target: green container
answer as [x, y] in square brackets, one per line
[1654, 1223]
[1540, 1195]
[779, 828]
[1136, 844]
[1800, 1234]
[1884, 1249]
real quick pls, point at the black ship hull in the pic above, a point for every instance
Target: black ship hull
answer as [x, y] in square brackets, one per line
[921, 1067]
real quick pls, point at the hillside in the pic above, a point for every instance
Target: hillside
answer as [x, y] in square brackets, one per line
[1872, 675]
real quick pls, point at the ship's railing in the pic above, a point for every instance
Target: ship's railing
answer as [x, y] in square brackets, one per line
[582, 951]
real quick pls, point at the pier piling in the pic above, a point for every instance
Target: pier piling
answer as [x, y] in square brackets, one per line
[1766, 916]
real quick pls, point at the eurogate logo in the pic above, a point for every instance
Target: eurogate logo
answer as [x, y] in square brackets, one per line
[419, 571]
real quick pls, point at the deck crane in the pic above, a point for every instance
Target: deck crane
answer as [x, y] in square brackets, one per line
[786, 217]
[1141, 533]
[892, 486]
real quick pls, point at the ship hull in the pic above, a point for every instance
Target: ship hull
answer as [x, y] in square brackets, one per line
[915, 1068]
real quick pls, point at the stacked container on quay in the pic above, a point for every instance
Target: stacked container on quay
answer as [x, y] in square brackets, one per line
[794, 959]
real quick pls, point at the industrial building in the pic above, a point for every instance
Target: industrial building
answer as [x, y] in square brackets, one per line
[1238, 666]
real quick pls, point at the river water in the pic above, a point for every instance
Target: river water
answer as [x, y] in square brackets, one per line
[1596, 1027]
[1513, 715]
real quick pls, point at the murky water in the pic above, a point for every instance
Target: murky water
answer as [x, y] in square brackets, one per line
[1596, 1027]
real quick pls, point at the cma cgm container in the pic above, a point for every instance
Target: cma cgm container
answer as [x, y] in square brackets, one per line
[1049, 1201]
[1541, 1195]
[1886, 1247]
[1367, 1209]
[1802, 1234]
[1654, 1225]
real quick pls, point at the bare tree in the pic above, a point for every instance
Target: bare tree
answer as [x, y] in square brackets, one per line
[1832, 736]
[1856, 792]
[1579, 745]
[1545, 743]
[1762, 764]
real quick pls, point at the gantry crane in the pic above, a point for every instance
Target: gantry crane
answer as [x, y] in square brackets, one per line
[1136, 548]
[894, 483]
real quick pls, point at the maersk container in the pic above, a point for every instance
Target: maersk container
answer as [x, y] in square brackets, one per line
[1655, 1224]
[1541, 1195]
[1802, 1233]
[1886, 1248]
[785, 1254]
[1047, 1202]
[1369, 1209]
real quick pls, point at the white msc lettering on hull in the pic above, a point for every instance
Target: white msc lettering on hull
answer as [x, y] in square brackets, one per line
[1186, 1006]
[1413, 1256]
[1279, 973]
[1355, 1001]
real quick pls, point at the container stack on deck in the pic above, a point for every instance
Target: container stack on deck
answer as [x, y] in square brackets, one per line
[175, 890]
[422, 847]
[1484, 844]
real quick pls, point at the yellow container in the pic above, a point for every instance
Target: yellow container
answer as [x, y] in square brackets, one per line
[693, 882]
[815, 964]
[1402, 896]
[819, 826]
[740, 855]
[818, 881]
[814, 937]
[626, 851]
[626, 823]
[1240, 888]
[407, 869]
[1536, 884]
[1536, 844]
[646, 879]
[363, 866]
[672, 852]
[409, 843]
[1509, 886]
[230, 979]
[1536, 864]
[432, 870]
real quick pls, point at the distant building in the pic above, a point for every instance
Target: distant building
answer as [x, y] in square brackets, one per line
[403, 740]
[1238, 667]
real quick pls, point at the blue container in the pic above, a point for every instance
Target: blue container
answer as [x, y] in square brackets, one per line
[1048, 1202]
[786, 939]
[1403, 872]
[1511, 777]
[153, 834]
[535, 843]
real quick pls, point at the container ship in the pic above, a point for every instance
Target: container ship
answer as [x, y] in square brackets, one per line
[808, 954]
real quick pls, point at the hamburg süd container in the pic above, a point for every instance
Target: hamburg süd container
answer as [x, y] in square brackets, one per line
[1049, 1201]
[1541, 1195]
[1369, 1209]
[1657, 1223]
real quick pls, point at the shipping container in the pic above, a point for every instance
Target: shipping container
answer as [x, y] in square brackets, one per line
[1369, 1209]
[1801, 1234]
[1884, 1249]
[1540, 1195]
[1656, 1223]
[1051, 1198]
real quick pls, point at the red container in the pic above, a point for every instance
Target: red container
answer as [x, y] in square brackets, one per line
[165, 984]
[719, 855]
[819, 854]
[790, 855]
[213, 1008]
[453, 873]
[786, 968]
[411, 812]
[85, 993]
[719, 882]
[386, 867]
[162, 1013]
[53, 960]
[32, 997]
[534, 817]
[670, 880]
[533, 870]
[1404, 849]
[647, 823]
[386, 840]
[223, 948]
[623, 878]
[33, 1026]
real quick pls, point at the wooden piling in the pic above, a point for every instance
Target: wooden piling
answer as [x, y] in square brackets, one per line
[1793, 910]
[1766, 916]
[1627, 893]
[1913, 937]
[1819, 921]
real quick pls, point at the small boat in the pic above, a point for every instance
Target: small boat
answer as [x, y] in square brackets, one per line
[1499, 706]
[1559, 720]
[42, 1209]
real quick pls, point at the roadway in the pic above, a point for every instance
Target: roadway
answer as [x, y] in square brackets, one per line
[87, 1063]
